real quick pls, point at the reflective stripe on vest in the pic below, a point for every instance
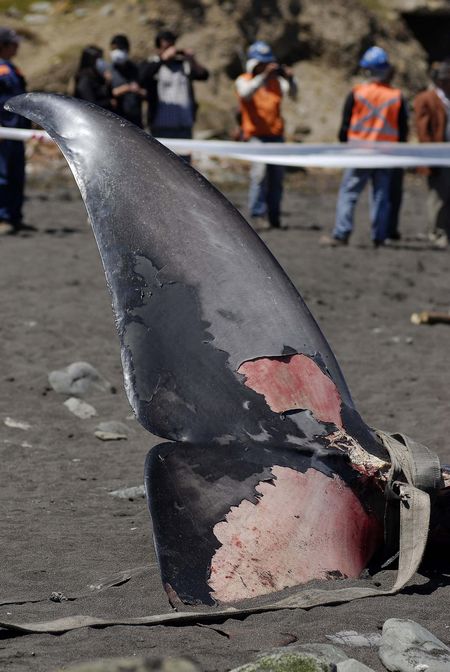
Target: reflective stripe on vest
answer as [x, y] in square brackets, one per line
[375, 113]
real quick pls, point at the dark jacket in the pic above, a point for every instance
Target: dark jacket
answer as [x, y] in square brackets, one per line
[12, 83]
[129, 105]
[91, 86]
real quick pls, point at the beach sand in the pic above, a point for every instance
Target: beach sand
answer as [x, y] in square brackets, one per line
[60, 528]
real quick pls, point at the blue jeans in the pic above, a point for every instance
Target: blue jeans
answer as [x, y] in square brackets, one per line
[266, 187]
[12, 181]
[353, 182]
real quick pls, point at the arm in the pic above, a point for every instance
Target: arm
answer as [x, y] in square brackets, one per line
[198, 72]
[247, 87]
[130, 87]
[403, 122]
[422, 114]
[147, 72]
[346, 117]
[288, 82]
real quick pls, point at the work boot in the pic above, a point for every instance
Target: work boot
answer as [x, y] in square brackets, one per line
[6, 228]
[331, 241]
[259, 223]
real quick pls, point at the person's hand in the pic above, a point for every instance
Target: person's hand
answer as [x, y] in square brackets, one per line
[169, 53]
[189, 54]
[271, 70]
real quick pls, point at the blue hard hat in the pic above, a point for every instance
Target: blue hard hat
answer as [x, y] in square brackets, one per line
[374, 58]
[260, 51]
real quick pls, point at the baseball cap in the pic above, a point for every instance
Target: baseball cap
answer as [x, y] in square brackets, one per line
[260, 51]
[8, 36]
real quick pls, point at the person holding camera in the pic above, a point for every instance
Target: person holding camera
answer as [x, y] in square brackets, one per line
[260, 90]
[168, 78]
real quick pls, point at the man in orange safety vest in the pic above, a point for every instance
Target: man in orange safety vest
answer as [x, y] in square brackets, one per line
[373, 112]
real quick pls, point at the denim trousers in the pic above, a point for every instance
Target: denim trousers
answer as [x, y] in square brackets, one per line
[353, 183]
[266, 187]
[12, 180]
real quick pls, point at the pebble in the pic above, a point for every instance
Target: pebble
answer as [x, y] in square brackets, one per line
[133, 492]
[106, 10]
[300, 657]
[406, 646]
[35, 19]
[355, 639]
[77, 379]
[111, 431]
[80, 408]
[41, 7]
[352, 665]
[16, 424]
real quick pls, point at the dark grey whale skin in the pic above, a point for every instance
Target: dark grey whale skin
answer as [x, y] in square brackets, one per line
[195, 294]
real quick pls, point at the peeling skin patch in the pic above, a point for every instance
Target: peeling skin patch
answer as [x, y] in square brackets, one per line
[304, 526]
[294, 382]
[360, 459]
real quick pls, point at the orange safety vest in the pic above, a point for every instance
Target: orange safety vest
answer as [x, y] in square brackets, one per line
[375, 113]
[261, 114]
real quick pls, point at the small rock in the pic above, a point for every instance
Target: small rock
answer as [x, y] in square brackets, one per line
[41, 7]
[111, 431]
[110, 436]
[301, 658]
[352, 665]
[355, 639]
[58, 597]
[16, 424]
[408, 647]
[135, 492]
[106, 10]
[80, 408]
[77, 379]
[80, 12]
[35, 19]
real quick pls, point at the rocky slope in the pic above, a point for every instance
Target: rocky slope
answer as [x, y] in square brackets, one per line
[322, 40]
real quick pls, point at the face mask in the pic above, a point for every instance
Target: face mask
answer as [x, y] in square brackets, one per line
[118, 56]
[101, 66]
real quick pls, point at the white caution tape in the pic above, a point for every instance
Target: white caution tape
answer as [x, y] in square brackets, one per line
[333, 155]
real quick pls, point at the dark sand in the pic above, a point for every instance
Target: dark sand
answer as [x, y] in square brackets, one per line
[62, 531]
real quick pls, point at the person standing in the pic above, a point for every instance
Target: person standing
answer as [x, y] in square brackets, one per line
[12, 152]
[432, 116]
[124, 81]
[260, 90]
[374, 111]
[168, 79]
[92, 79]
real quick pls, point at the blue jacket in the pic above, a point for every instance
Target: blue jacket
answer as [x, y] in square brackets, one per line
[12, 83]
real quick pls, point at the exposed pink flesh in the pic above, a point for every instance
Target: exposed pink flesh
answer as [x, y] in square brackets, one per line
[294, 382]
[303, 527]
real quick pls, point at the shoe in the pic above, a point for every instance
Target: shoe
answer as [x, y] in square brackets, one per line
[440, 242]
[331, 241]
[259, 223]
[6, 228]
[378, 243]
[394, 235]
